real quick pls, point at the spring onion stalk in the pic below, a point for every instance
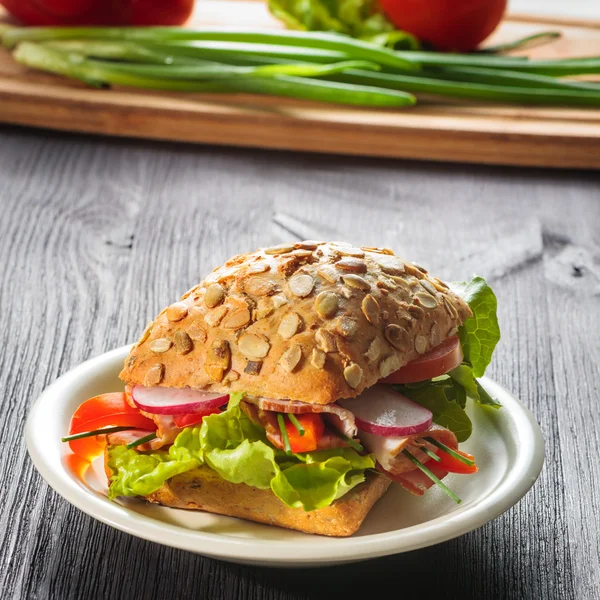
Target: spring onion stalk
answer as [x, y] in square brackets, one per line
[102, 431]
[219, 50]
[479, 91]
[77, 67]
[296, 424]
[284, 433]
[352, 443]
[562, 67]
[431, 476]
[526, 43]
[185, 52]
[205, 70]
[431, 454]
[504, 77]
[142, 440]
[355, 49]
[451, 452]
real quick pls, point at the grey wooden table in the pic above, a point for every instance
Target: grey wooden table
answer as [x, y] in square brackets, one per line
[97, 235]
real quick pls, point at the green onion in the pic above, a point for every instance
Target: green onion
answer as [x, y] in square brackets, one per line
[352, 443]
[431, 476]
[142, 440]
[504, 77]
[494, 93]
[355, 49]
[526, 43]
[296, 424]
[451, 452]
[77, 67]
[566, 66]
[203, 70]
[79, 436]
[284, 434]
[429, 453]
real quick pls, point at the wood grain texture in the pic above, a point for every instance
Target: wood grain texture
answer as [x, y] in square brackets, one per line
[434, 130]
[97, 235]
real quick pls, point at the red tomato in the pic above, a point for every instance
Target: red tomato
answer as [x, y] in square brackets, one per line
[453, 465]
[100, 12]
[63, 8]
[448, 25]
[192, 418]
[105, 410]
[445, 357]
[313, 430]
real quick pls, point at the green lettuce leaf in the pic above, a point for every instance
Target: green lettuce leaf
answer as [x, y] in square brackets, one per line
[139, 474]
[357, 18]
[445, 399]
[239, 452]
[463, 376]
[480, 333]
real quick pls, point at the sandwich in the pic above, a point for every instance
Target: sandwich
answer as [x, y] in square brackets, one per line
[294, 385]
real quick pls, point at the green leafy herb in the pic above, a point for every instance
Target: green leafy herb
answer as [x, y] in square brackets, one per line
[431, 476]
[480, 333]
[463, 375]
[296, 424]
[440, 397]
[356, 18]
[78, 436]
[450, 451]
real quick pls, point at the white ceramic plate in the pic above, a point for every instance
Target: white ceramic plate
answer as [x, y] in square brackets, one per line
[507, 443]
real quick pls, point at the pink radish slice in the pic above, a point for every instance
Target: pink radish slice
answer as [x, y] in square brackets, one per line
[382, 411]
[175, 401]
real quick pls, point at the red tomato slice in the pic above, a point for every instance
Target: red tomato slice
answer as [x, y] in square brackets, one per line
[192, 418]
[453, 465]
[313, 430]
[103, 411]
[445, 357]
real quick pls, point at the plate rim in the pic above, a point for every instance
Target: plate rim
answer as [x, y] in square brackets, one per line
[325, 551]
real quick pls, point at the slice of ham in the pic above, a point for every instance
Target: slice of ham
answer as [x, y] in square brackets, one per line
[416, 482]
[388, 450]
[338, 417]
[268, 420]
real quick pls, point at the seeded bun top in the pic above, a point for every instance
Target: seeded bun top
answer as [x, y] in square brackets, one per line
[308, 321]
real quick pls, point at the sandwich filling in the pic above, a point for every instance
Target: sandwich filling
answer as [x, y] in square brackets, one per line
[407, 427]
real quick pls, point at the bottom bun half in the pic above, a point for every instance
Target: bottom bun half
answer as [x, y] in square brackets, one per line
[203, 489]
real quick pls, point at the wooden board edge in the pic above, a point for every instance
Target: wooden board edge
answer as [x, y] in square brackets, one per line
[514, 149]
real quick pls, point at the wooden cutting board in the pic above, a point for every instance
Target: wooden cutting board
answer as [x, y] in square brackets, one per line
[443, 130]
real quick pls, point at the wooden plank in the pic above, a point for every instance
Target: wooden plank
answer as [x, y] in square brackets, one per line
[97, 235]
[434, 130]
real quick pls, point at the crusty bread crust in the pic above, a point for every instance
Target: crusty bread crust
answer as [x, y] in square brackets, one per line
[309, 321]
[204, 489]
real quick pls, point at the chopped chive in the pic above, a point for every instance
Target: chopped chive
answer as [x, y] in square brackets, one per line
[353, 444]
[142, 440]
[429, 453]
[85, 434]
[431, 476]
[284, 434]
[453, 453]
[296, 424]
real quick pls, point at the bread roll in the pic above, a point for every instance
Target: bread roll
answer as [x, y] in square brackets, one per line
[203, 489]
[308, 321]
